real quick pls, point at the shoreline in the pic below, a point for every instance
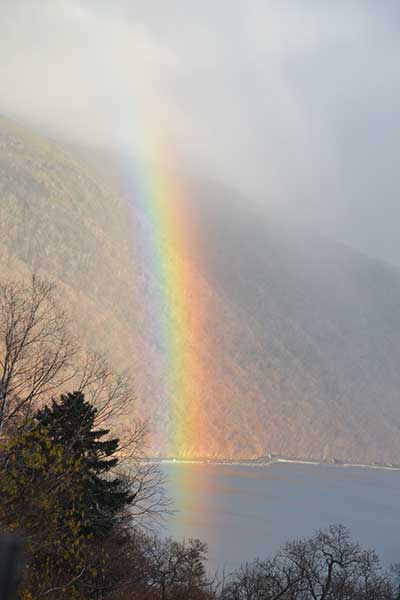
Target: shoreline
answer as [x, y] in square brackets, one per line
[272, 461]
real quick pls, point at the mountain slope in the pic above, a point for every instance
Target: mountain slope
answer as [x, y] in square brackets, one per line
[300, 349]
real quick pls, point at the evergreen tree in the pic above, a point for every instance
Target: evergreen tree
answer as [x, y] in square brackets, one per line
[70, 423]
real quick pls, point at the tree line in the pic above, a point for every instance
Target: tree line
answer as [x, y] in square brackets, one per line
[75, 487]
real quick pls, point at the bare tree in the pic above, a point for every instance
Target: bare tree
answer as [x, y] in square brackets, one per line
[40, 359]
[328, 566]
[111, 392]
[113, 395]
[176, 570]
[37, 354]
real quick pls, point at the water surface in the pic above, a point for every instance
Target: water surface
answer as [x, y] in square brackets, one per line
[248, 511]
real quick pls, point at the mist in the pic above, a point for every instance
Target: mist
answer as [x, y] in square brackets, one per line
[294, 104]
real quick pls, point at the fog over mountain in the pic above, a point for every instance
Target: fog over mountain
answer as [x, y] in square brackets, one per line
[295, 104]
[301, 345]
[281, 120]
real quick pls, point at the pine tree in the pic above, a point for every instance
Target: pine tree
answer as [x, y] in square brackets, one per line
[70, 423]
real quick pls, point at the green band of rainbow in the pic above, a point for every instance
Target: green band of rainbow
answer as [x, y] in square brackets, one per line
[179, 313]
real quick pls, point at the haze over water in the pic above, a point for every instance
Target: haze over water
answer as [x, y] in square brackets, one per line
[243, 512]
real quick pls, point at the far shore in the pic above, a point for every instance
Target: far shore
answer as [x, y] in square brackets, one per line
[267, 462]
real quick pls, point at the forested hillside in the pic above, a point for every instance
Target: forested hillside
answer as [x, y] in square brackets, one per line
[299, 351]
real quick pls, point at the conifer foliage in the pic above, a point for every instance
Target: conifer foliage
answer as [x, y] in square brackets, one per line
[71, 423]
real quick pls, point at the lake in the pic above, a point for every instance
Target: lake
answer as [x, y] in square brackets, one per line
[247, 511]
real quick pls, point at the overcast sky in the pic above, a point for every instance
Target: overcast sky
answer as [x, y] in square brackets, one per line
[296, 103]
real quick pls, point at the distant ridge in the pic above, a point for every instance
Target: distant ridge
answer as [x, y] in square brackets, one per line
[303, 335]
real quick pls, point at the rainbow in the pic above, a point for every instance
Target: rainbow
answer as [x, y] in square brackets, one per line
[177, 313]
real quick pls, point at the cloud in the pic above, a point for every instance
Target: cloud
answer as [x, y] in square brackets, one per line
[295, 103]
[71, 65]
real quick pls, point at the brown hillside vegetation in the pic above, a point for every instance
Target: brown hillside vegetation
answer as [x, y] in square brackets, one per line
[298, 354]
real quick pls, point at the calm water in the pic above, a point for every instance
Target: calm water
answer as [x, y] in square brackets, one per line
[244, 512]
